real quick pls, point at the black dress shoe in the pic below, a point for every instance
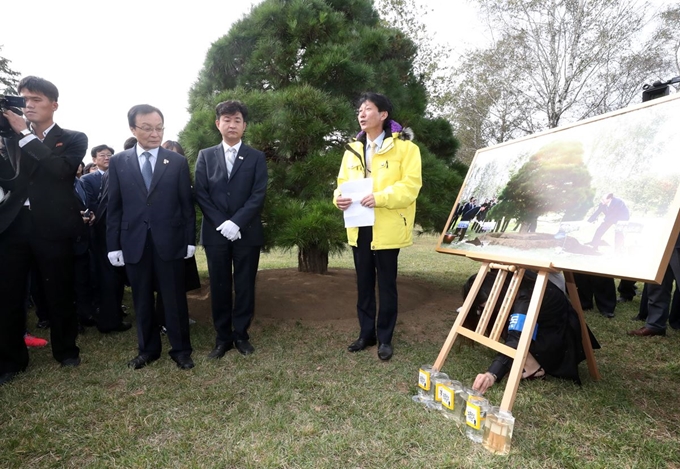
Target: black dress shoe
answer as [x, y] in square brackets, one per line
[645, 331]
[72, 362]
[220, 350]
[607, 314]
[385, 351]
[7, 377]
[44, 324]
[184, 362]
[244, 347]
[361, 344]
[122, 327]
[140, 361]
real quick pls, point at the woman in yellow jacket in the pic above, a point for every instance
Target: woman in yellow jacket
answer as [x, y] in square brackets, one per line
[380, 152]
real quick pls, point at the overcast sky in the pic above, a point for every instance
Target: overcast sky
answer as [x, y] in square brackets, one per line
[106, 57]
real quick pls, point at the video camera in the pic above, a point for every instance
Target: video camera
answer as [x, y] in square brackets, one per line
[12, 103]
[658, 89]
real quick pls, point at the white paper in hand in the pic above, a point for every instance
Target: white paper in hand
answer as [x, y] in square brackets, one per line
[357, 215]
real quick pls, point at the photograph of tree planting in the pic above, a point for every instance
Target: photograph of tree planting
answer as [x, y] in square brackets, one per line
[598, 196]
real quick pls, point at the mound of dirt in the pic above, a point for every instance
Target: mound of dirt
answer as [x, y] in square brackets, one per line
[288, 294]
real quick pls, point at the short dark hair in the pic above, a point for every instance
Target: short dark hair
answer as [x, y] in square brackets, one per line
[173, 146]
[39, 85]
[231, 107]
[87, 168]
[380, 100]
[99, 148]
[142, 109]
[129, 143]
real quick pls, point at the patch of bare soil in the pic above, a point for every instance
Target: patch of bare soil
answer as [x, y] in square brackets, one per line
[286, 294]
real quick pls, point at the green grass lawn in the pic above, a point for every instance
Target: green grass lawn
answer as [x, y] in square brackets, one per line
[302, 401]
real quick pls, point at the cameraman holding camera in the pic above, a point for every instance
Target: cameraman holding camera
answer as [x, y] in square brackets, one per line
[39, 219]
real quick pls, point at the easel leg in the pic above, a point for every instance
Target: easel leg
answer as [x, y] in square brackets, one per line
[515, 375]
[464, 310]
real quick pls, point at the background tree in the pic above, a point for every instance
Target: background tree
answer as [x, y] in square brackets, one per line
[555, 179]
[9, 79]
[431, 64]
[300, 66]
[550, 61]
[666, 41]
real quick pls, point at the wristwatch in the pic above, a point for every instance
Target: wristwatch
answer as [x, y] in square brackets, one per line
[25, 132]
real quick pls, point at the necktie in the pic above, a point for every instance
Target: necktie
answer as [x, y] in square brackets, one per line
[231, 158]
[147, 173]
[370, 151]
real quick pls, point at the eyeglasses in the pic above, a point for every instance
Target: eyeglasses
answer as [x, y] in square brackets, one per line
[150, 130]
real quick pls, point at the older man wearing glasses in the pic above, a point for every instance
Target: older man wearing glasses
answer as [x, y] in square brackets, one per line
[151, 230]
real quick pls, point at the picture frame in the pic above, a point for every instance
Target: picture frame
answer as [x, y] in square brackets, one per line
[597, 196]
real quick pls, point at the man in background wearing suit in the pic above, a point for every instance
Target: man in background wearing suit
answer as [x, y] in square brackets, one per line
[109, 280]
[231, 182]
[151, 230]
[92, 182]
[39, 220]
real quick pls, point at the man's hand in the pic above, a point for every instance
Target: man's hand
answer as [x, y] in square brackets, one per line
[191, 250]
[343, 202]
[16, 122]
[88, 217]
[230, 230]
[116, 258]
[483, 382]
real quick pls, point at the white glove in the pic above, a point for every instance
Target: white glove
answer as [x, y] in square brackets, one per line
[229, 230]
[191, 250]
[116, 258]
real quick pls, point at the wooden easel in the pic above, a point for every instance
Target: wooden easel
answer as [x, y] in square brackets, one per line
[492, 340]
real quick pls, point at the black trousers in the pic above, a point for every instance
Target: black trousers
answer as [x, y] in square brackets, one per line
[38, 295]
[153, 273]
[111, 281]
[603, 289]
[83, 286]
[626, 289]
[232, 316]
[659, 296]
[369, 265]
[22, 246]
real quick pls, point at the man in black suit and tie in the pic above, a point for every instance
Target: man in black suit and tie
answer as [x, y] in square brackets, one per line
[39, 219]
[231, 182]
[151, 230]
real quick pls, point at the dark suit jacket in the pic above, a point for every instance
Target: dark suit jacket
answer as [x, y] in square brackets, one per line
[102, 200]
[82, 241]
[166, 209]
[46, 173]
[238, 198]
[614, 212]
[92, 184]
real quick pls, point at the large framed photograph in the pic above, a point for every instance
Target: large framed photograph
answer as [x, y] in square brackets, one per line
[598, 196]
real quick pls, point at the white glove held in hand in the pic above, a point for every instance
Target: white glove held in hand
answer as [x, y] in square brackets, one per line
[116, 258]
[191, 250]
[229, 230]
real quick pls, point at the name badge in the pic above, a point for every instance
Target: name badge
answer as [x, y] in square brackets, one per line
[517, 324]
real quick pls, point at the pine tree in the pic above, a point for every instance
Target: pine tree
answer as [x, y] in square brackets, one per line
[300, 66]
